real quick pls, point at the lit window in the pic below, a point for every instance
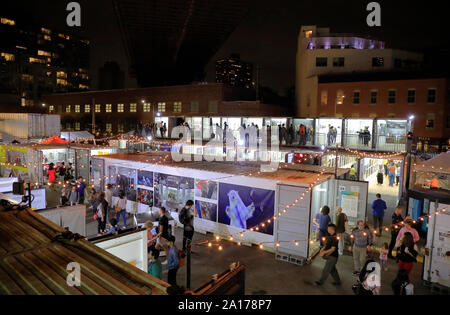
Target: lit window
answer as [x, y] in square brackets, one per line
[373, 97]
[392, 96]
[83, 86]
[27, 77]
[67, 108]
[7, 21]
[146, 107]
[47, 37]
[431, 97]
[308, 34]
[161, 107]
[429, 123]
[61, 82]
[46, 31]
[120, 128]
[61, 75]
[133, 108]
[44, 53]
[77, 126]
[323, 98]
[120, 108]
[108, 127]
[51, 108]
[411, 96]
[108, 108]
[68, 125]
[87, 108]
[7, 57]
[97, 108]
[77, 108]
[356, 96]
[36, 60]
[340, 97]
[177, 107]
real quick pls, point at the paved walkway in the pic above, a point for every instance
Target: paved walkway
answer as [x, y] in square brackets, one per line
[266, 275]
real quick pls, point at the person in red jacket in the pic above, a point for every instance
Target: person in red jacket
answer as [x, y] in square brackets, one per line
[51, 173]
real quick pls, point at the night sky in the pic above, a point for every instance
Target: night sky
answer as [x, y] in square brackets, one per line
[268, 36]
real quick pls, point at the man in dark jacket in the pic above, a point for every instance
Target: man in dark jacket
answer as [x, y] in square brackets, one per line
[378, 207]
[187, 219]
[397, 220]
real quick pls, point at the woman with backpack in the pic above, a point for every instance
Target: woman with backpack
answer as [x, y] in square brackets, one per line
[369, 281]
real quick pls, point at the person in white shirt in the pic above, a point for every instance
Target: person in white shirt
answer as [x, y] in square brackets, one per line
[120, 207]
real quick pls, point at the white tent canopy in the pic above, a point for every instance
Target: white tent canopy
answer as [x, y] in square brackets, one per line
[439, 164]
[72, 135]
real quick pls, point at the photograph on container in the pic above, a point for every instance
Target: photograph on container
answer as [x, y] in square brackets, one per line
[205, 210]
[145, 178]
[172, 192]
[206, 189]
[246, 207]
[145, 197]
[123, 179]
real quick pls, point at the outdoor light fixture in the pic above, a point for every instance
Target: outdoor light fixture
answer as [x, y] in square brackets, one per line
[322, 147]
[43, 104]
[149, 138]
[158, 114]
[411, 117]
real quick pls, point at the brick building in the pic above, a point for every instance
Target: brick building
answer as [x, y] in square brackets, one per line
[391, 95]
[118, 111]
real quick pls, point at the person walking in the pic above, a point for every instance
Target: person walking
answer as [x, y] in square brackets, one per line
[81, 186]
[120, 208]
[172, 261]
[407, 253]
[73, 196]
[391, 174]
[378, 207]
[352, 173]
[408, 228]
[330, 253]
[396, 225]
[341, 219]
[187, 219]
[397, 174]
[323, 220]
[361, 241]
[51, 172]
[163, 233]
[384, 250]
[101, 219]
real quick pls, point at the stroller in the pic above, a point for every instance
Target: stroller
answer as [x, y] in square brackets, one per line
[358, 288]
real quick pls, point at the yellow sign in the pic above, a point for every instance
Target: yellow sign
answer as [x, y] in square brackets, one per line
[14, 157]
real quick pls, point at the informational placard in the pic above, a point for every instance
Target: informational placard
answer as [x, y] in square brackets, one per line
[14, 157]
[437, 268]
[349, 202]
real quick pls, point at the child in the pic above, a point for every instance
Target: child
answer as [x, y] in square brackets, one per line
[172, 261]
[64, 199]
[73, 197]
[113, 228]
[401, 284]
[384, 250]
[155, 266]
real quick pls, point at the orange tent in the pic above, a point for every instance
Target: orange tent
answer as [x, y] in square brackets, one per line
[54, 140]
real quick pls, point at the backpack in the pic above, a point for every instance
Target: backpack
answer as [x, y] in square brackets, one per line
[181, 256]
[182, 216]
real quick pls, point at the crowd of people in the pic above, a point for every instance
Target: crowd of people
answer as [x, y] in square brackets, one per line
[152, 130]
[58, 172]
[403, 248]
[391, 170]
[161, 239]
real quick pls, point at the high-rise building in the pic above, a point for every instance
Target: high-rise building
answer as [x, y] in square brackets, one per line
[320, 52]
[37, 60]
[171, 42]
[234, 72]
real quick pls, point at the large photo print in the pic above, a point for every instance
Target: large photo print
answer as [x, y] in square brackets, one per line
[145, 178]
[123, 179]
[205, 210]
[172, 192]
[206, 189]
[246, 207]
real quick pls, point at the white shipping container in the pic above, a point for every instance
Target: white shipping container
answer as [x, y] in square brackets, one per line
[26, 126]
